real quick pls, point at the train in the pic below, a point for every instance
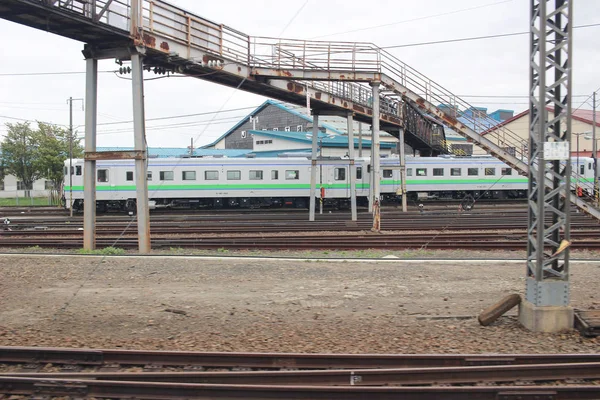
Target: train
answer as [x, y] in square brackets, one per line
[195, 183]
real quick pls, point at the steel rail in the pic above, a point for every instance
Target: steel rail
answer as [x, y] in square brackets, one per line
[104, 357]
[343, 242]
[358, 377]
[120, 389]
[516, 233]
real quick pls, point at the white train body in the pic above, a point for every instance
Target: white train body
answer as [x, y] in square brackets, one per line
[264, 182]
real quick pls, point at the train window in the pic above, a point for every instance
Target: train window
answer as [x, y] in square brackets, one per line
[506, 171]
[472, 171]
[211, 175]
[234, 175]
[102, 175]
[388, 173]
[292, 174]
[188, 175]
[78, 170]
[66, 171]
[129, 175]
[421, 171]
[358, 172]
[455, 171]
[590, 166]
[256, 175]
[339, 174]
[438, 172]
[408, 171]
[274, 174]
[581, 169]
[490, 171]
[149, 176]
[72, 170]
[299, 128]
[166, 175]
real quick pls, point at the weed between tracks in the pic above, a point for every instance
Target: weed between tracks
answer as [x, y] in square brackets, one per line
[107, 251]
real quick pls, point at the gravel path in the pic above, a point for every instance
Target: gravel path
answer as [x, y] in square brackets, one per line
[273, 305]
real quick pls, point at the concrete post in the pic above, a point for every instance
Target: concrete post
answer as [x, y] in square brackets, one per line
[403, 170]
[375, 162]
[89, 170]
[313, 170]
[141, 170]
[351, 166]
[595, 149]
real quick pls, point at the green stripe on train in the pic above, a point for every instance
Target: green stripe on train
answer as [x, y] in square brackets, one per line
[131, 188]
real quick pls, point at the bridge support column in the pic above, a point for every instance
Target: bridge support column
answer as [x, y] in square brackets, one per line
[375, 162]
[89, 170]
[351, 166]
[402, 170]
[141, 168]
[313, 169]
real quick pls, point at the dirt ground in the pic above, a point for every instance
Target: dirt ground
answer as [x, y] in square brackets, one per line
[225, 304]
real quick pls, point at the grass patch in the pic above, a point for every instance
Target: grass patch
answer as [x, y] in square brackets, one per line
[25, 202]
[107, 251]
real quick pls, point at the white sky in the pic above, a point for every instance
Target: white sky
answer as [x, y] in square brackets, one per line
[491, 67]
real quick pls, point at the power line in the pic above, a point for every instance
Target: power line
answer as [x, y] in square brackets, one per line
[293, 18]
[473, 38]
[29, 120]
[51, 73]
[412, 19]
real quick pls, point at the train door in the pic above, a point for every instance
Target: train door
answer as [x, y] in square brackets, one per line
[104, 180]
[360, 183]
[341, 181]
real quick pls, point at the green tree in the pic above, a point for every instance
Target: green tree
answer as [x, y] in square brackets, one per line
[19, 149]
[32, 154]
[52, 152]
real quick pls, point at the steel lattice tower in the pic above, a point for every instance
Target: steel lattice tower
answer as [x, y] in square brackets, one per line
[549, 153]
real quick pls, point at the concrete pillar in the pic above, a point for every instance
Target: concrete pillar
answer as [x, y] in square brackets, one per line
[313, 170]
[89, 170]
[403, 171]
[375, 161]
[139, 131]
[351, 166]
[550, 319]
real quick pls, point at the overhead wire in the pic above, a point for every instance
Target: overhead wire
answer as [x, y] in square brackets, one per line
[412, 20]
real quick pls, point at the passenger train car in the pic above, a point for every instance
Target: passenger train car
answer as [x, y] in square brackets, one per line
[285, 182]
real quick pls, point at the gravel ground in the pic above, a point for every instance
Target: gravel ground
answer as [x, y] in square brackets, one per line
[185, 303]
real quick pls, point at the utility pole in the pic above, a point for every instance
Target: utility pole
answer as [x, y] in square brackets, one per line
[192, 147]
[595, 149]
[70, 102]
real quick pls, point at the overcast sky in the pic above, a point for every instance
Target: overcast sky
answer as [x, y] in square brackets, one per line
[475, 69]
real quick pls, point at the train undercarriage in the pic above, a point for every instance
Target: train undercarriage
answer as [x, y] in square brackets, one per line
[129, 205]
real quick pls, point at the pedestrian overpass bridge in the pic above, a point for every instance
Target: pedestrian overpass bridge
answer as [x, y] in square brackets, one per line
[338, 77]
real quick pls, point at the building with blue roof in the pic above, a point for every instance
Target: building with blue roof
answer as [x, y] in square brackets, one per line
[284, 128]
[476, 118]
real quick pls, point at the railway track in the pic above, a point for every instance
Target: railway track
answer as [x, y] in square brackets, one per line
[174, 375]
[485, 229]
[342, 242]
